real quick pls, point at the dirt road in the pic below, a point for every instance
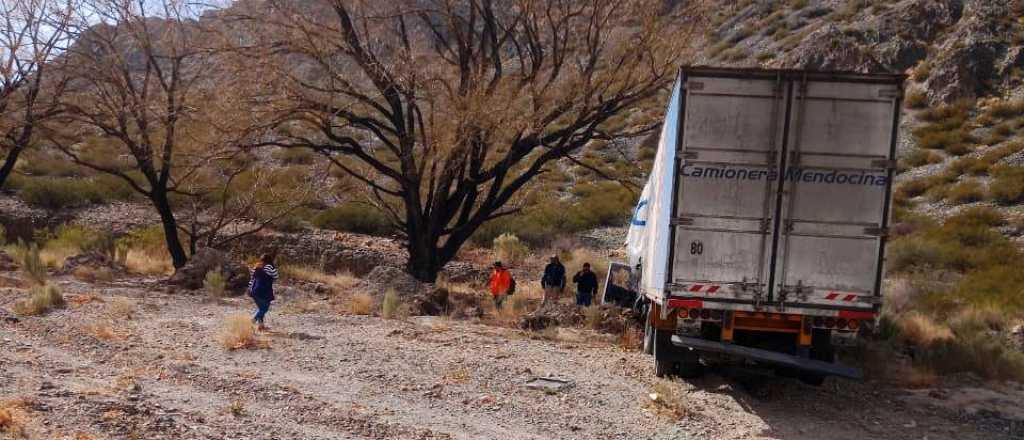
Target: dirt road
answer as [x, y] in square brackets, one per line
[125, 361]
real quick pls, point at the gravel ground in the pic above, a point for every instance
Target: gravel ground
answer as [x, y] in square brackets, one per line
[128, 360]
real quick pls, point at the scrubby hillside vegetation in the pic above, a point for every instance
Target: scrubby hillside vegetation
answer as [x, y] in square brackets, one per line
[265, 147]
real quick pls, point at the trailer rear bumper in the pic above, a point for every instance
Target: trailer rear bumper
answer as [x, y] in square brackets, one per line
[768, 357]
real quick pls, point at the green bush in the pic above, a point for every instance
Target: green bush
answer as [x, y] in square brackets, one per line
[509, 249]
[61, 193]
[1007, 186]
[354, 217]
[215, 284]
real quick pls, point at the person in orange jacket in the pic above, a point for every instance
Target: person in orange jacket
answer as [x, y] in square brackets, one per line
[501, 283]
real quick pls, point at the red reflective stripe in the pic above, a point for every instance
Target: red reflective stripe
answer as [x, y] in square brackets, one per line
[713, 289]
[696, 288]
[856, 314]
[850, 297]
[832, 296]
[687, 303]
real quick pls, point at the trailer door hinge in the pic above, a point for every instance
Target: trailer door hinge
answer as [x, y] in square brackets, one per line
[888, 164]
[889, 93]
[690, 155]
[876, 231]
[683, 221]
[694, 85]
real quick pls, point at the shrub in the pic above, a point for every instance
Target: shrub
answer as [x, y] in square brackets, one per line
[29, 261]
[996, 154]
[509, 249]
[968, 191]
[916, 100]
[1006, 109]
[593, 316]
[43, 299]
[953, 141]
[921, 157]
[921, 330]
[360, 303]
[122, 308]
[391, 307]
[968, 165]
[354, 217]
[765, 56]
[1007, 186]
[62, 193]
[797, 4]
[921, 71]
[238, 332]
[735, 54]
[215, 284]
[3, 235]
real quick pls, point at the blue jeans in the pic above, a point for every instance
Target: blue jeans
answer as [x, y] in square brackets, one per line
[262, 307]
[583, 299]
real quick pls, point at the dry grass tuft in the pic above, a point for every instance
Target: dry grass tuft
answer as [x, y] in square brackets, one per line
[237, 408]
[361, 303]
[146, 263]
[12, 418]
[922, 331]
[102, 330]
[122, 308]
[631, 338]
[336, 282]
[593, 316]
[666, 398]
[43, 299]
[238, 332]
[508, 248]
[391, 307]
[457, 375]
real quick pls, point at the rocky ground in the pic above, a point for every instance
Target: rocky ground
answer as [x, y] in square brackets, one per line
[132, 359]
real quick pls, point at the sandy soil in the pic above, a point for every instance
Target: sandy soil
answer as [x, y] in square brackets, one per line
[126, 360]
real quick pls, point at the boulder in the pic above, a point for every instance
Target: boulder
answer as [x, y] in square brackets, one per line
[830, 48]
[93, 260]
[384, 278]
[191, 275]
[551, 315]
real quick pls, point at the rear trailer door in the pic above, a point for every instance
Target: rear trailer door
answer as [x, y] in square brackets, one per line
[837, 174]
[783, 183]
[726, 188]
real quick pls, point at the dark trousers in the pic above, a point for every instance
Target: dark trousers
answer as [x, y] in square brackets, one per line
[262, 307]
[584, 299]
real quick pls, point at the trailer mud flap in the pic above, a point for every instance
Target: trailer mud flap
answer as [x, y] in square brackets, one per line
[769, 357]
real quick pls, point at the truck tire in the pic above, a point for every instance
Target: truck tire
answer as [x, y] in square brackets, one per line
[662, 348]
[648, 333]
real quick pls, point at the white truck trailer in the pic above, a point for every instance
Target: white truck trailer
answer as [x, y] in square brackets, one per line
[760, 236]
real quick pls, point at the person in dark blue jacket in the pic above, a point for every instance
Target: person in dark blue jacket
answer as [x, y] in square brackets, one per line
[261, 288]
[553, 280]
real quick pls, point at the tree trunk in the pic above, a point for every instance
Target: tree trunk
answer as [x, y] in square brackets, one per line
[425, 260]
[8, 166]
[174, 247]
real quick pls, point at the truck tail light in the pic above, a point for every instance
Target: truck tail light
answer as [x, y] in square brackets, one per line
[705, 314]
[830, 322]
[694, 313]
[841, 323]
[819, 321]
[853, 324]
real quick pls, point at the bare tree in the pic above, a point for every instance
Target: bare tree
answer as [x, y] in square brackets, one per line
[145, 79]
[446, 109]
[32, 34]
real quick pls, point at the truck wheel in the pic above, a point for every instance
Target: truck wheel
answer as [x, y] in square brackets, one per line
[663, 359]
[648, 334]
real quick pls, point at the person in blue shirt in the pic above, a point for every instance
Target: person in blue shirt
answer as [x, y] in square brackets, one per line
[261, 288]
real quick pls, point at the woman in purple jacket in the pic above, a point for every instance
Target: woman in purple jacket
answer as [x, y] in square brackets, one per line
[261, 287]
